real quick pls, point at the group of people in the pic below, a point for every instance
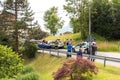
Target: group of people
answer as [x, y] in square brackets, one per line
[91, 49]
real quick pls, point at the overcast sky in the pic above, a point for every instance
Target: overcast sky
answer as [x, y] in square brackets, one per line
[40, 6]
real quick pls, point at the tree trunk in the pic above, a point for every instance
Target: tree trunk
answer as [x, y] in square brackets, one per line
[16, 29]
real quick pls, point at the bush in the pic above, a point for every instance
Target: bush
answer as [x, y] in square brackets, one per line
[30, 49]
[76, 69]
[27, 69]
[27, 74]
[10, 62]
[5, 79]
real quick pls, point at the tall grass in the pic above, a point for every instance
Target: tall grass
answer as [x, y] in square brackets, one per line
[111, 46]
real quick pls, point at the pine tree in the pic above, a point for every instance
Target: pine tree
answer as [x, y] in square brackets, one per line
[23, 15]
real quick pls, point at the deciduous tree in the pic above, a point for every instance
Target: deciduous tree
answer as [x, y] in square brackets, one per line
[52, 21]
[76, 69]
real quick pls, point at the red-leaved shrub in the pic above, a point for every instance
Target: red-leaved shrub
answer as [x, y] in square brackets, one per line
[76, 69]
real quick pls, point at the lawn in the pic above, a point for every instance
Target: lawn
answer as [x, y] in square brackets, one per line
[45, 65]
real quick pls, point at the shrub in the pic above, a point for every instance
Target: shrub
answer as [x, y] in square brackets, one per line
[27, 74]
[27, 69]
[10, 62]
[5, 79]
[76, 69]
[30, 49]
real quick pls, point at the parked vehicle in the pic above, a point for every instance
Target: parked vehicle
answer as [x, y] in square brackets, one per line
[53, 44]
[44, 45]
[60, 45]
[77, 46]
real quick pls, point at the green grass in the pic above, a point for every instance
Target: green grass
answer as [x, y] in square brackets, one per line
[109, 46]
[107, 73]
[45, 65]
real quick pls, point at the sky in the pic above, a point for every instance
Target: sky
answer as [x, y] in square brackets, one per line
[40, 6]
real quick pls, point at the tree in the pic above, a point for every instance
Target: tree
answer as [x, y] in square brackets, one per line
[76, 69]
[52, 21]
[23, 17]
[37, 33]
[105, 18]
[78, 13]
[116, 20]
[101, 17]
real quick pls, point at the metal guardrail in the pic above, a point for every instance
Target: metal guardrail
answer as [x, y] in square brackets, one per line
[105, 58]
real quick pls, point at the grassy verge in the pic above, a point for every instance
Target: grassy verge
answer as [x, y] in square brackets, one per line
[107, 73]
[45, 65]
[109, 46]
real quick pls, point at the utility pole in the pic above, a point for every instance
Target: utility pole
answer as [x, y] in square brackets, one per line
[16, 29]
[89, 19]
[90, 37]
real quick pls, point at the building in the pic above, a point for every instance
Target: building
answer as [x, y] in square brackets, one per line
[6, 19]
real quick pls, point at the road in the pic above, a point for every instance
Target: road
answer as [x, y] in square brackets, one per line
[106, 54]
[110, 54]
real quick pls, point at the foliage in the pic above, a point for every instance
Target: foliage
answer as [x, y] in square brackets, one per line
[27, 74]
[16, 23]
[30, 49]
[52, 21]
[27, 69]
[105, 18]
[78, 13]
[76, 69]
[5, 79]
[36, 33]
[10, 62]
[5, 39]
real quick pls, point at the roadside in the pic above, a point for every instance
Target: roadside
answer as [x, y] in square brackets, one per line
[106, 54]
[109, 54]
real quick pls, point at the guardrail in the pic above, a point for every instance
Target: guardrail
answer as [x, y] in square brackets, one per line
[105, 58]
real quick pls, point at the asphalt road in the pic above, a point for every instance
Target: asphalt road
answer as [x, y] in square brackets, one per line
[106, 54]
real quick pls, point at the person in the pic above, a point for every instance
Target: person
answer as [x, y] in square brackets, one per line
[69, 50]
[56, 44]
[67, 42]
[79, 53]
[94, 49]
[70, 41]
